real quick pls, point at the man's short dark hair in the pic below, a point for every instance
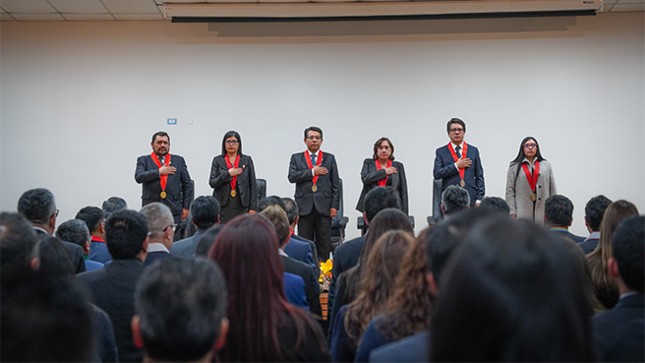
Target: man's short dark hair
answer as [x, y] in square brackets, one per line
[269, 201]
[113, 204]
[181, 304]
[454, 199]
[495, 203]
[37, 205]
[595, 209]
[18, 242]
[74, 231]
[291, 207]
[378, 199]
[457, 121]
[125, 233]
[92, 216]
[628, 248]
[55, 258]
[205, 211]
[558, 210]
[207, 239]
[160, 133]
[313, 128]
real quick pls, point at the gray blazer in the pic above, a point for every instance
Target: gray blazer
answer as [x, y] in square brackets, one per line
[518, 191]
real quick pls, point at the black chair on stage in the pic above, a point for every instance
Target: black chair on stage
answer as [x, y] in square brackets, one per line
[437, 215]
[338, 224]
[261, 188]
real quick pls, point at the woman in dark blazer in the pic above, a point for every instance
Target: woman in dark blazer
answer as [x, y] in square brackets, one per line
[382, 170]
[233, 179]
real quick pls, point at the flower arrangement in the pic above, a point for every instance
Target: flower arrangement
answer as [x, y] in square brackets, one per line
[325, 275]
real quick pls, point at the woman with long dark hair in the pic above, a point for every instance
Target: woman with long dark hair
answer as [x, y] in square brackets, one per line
[264, 327]
[382, 170]
[233, 179]
[529, 182]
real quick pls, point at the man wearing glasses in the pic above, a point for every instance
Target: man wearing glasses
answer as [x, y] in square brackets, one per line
[317, 191]
[458, 163]
[161, 231]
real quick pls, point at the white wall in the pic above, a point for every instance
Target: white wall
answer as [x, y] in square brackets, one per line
[81, 100]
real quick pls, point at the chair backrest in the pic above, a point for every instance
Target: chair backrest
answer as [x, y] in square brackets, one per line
[261, 188]
[436, 200]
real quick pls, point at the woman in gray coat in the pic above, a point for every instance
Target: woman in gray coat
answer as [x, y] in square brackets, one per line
[529, 182]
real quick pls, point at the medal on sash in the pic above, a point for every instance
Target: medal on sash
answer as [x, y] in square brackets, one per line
[382, 182]
[314, 188]
[235, 165]
[462, 183]
[164, 178]
[532, 179]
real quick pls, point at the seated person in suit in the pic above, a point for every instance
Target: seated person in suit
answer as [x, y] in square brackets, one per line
[75, 231]
[94, 219]
[18, 242]
[291, 208]
[204, 213]
[454, 199]
[206, 240]
[161, 231]
[112, 287]
[496, 204]
[558, 216]
[619, 332]
[594, 210]
[113, 204]
[180, 307]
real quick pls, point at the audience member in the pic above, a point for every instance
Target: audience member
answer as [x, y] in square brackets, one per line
[558, 216]
[180, 307]
[263, 326]
[18, 242]
[94, 218]
[206, 240]
[454, 199]
[619, 332]
[205, 214]
[75, 231]
[579, 261]
[291, 208]
[376, 285]
[161, 231]
[38, 206]
[594, 210]
[604, 283]
[112, 287]
[495, 203]
[510, 293]
[113, 204]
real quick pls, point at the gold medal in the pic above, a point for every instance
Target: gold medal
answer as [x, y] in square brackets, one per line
[462, 183]
[314, 188]
[163, 194]
[233, 193]
[533, 196]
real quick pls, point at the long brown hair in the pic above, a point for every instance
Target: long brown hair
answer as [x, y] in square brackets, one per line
[382, 267]
[604, 284]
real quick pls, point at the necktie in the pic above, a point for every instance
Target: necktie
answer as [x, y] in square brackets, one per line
[313, 159]
[457, 150]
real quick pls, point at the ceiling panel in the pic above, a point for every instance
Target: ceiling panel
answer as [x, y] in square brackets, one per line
[38, 17]
[79, 6]
[627, 7]
[28, 7]
[631, 1]
[134, 17]
[88, 17]
[131, 6]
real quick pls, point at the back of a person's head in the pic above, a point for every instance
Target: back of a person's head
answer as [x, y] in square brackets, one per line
[269, 201]
[44, 319]
[113, 204]
[496, 204]
[180, 305]
[17, 240]
[159, 218]
[278, 218]
[55, 258]
[74, 231]
[510, 293]
[205, 211]
[617, 212]
[558, 211]
[125, 233]
[378, 199]
[207, 239]
[629, 252]
[92, 216]
[37, 205]
[386, 220]
[454, 199]
[595, 209]
[291, 207]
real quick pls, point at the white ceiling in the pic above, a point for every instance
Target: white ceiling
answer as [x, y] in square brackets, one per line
[137, 10]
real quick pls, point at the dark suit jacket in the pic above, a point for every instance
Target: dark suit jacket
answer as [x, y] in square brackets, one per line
[444, 168]
[112, 289]
[411, 349]
[345, 257]
[76, 254]
[328, 194]
[187, 246]
[619, 332]
[99, 252]
[220, 181]
[179, 187]
[567, 234]
[155, 256]
[300, 251]
[312, 288]
[370, 177]
[314, 252]
[589, 244]
[294, 289]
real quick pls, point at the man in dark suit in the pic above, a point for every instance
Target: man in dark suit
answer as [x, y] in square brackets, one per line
[164, 178]
[205, 213]
[94, 219]
[459, 164]
[317, 191]
[558, 216]
[75, 231]
[38, 206]
[161, 230]
[291, 208]
[619, 332]
[112, 287]
[594, 210]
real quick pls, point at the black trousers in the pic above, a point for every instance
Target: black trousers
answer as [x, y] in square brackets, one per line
[317, 227]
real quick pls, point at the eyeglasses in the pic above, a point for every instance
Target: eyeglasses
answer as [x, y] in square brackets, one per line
[173, 226]
[232, 142]
[530, 146]
[55, 213]
[456, 130]
[314, 138]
